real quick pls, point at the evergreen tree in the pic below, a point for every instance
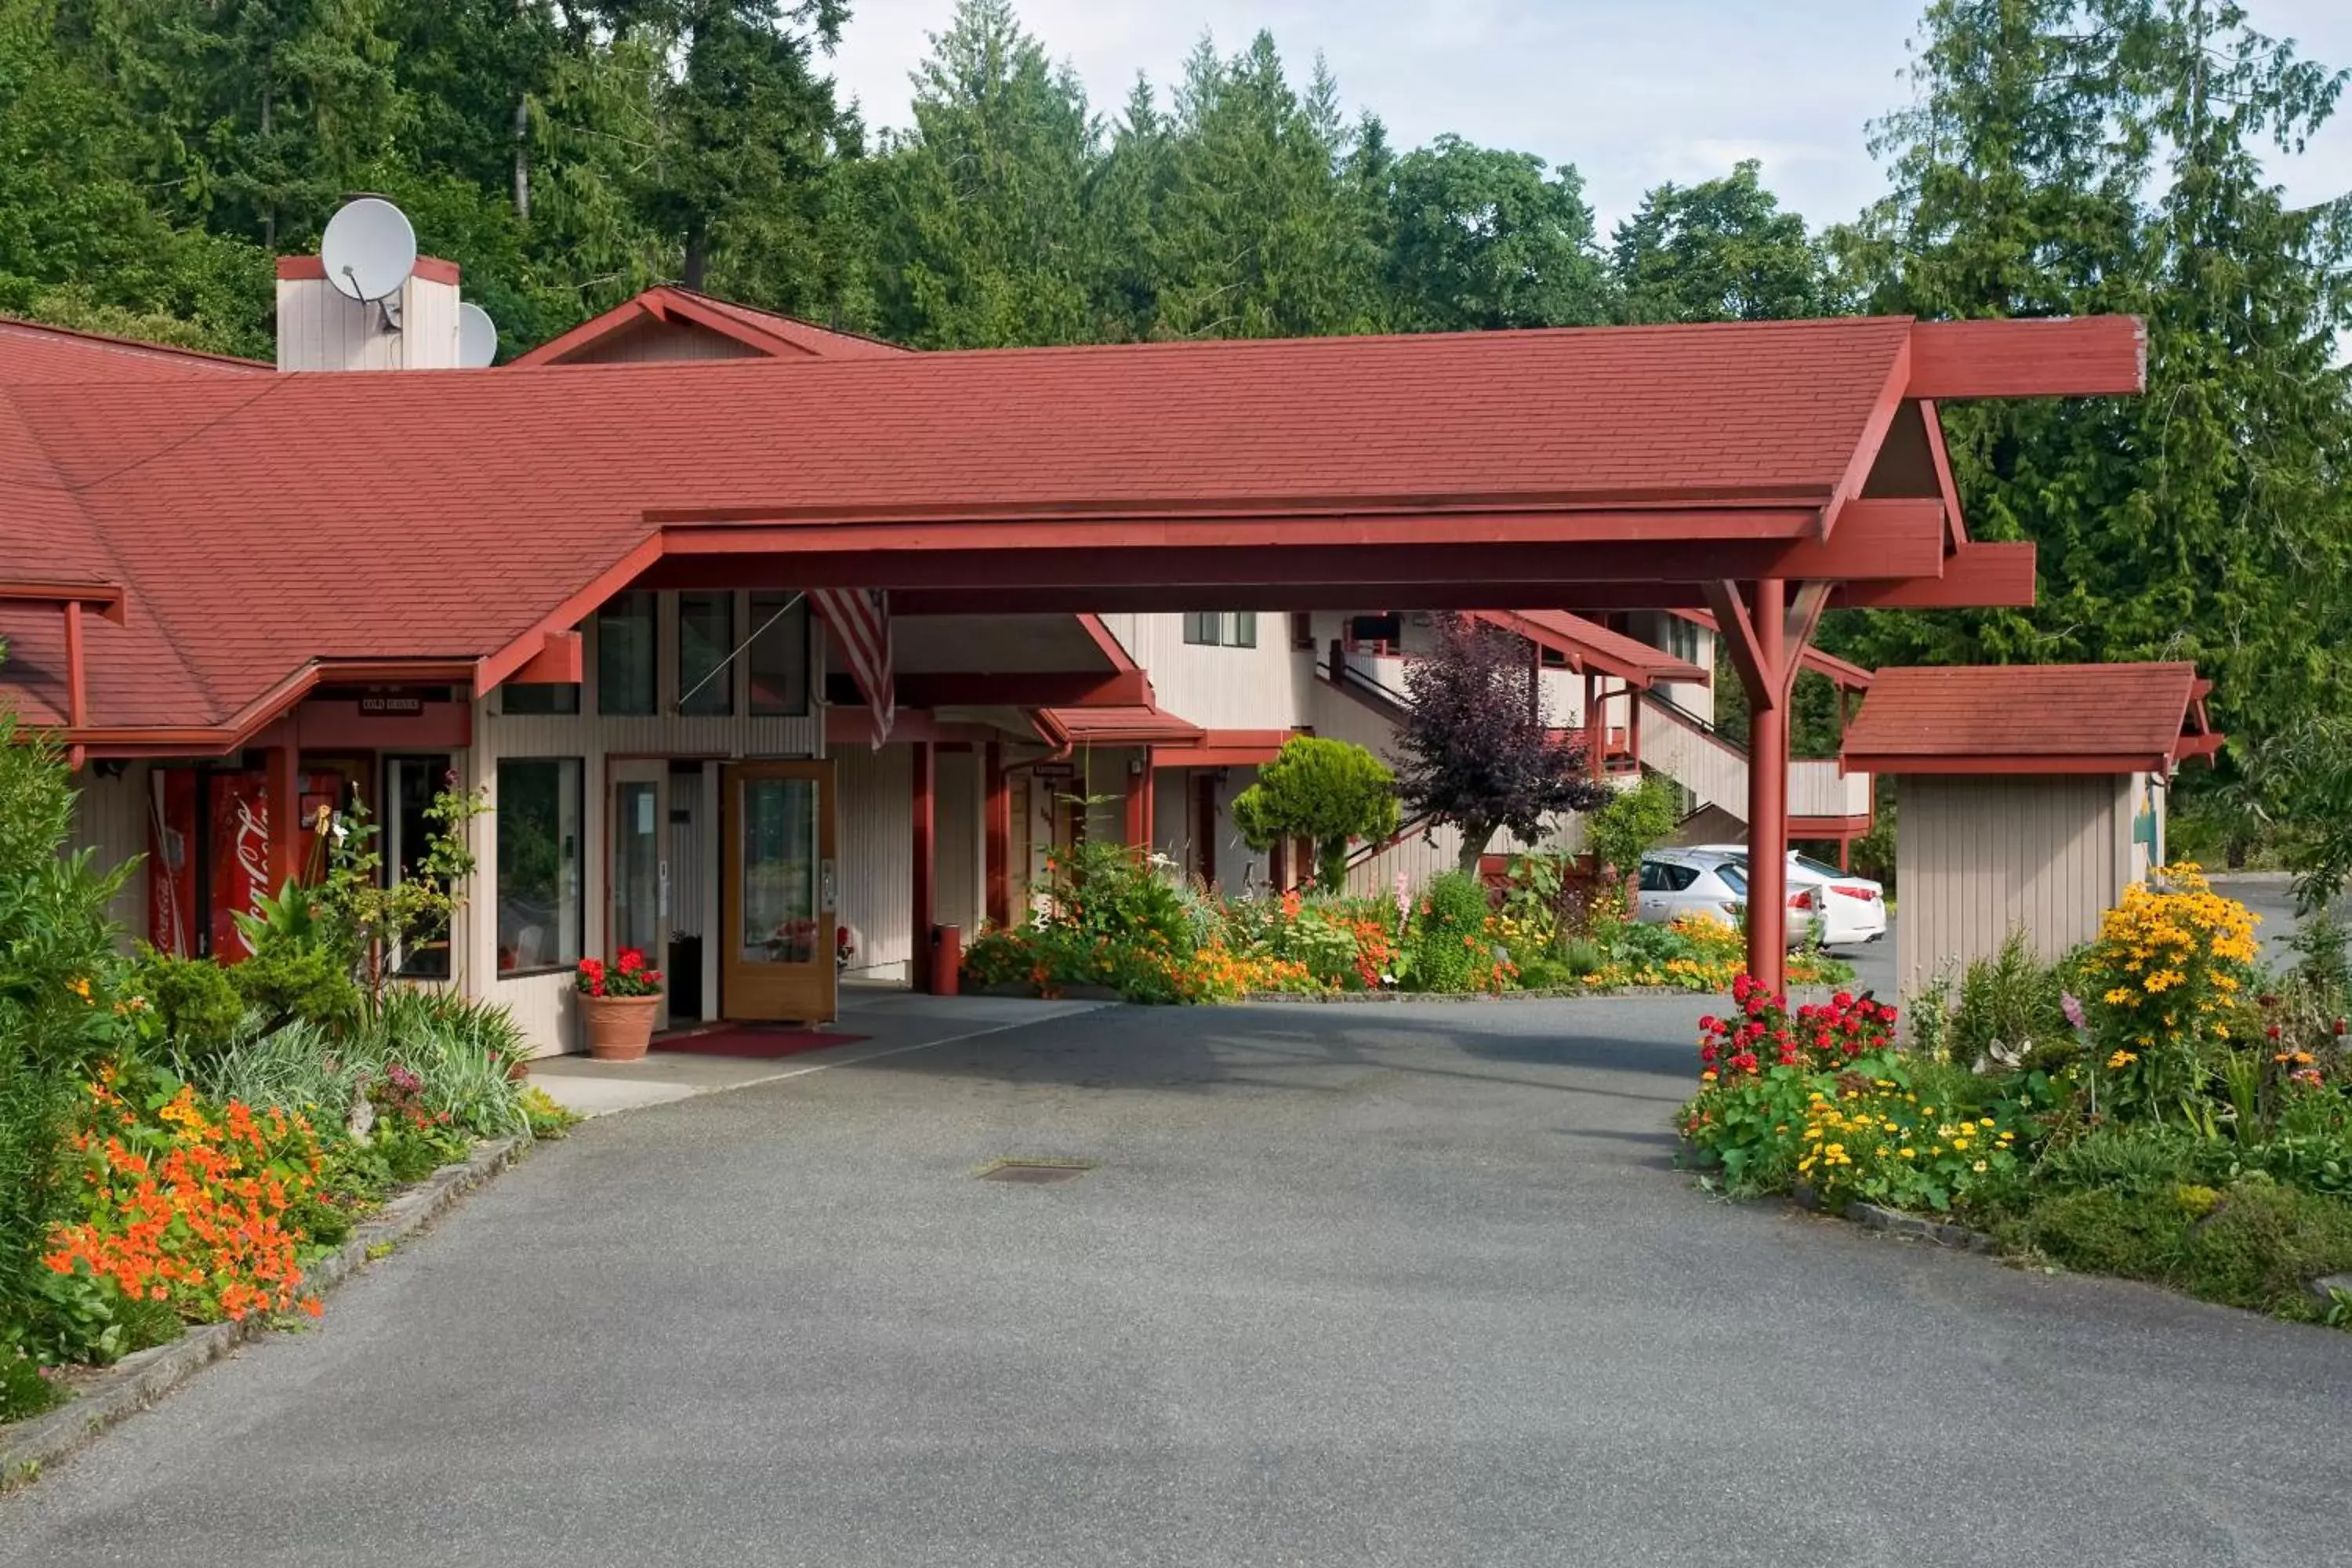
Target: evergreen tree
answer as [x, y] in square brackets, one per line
[981, 235]
[1255, 237]
[2053, 168]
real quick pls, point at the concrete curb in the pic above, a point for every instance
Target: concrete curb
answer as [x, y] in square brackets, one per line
[138, 1381]
[1895, 1222]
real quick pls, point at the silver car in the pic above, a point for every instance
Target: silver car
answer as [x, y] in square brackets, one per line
[1678, 882]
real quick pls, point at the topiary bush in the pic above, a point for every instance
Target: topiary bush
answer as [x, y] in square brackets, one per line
[195, 1002]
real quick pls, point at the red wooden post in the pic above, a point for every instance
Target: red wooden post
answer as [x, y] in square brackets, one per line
[1767, 789]
[1596, 725]
[999, 835]
[1634, 726]
[1204, 825]
[1139, 803]
[926, 911]
[284, 805]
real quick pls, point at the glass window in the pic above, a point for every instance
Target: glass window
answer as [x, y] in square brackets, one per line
[624, 654]
[780, 871]
[1227, 629]
[411, 785]
[1818, 867]
[706, 636]
[539, 697]
[1733, 876]
[537, 826]
[779, 654]
[1676, 878]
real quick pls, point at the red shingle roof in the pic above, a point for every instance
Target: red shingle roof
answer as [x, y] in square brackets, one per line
[261, 523]
[2028, 718]
[34, 354]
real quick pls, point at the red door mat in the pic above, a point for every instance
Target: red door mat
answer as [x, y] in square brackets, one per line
[757, 1041]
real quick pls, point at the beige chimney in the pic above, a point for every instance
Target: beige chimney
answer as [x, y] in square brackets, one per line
[321, 328]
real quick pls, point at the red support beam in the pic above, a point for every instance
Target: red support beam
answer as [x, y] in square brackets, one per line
[1138, 805]
[998, 834]
[1768, 781]
[77, 672]
[284, 799]
[926, 910]
[2080, 356]
[1974, 576]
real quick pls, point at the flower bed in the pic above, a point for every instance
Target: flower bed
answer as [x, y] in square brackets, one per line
[1108, 918]
[2189, 1123]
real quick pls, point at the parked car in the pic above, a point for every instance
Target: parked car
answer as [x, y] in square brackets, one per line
[1678, 882]
[1850, 909]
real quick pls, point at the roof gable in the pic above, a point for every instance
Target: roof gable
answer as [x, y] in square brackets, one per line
[672, 323]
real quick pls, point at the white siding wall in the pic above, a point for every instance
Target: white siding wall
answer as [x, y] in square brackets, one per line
[1979, 857]
[543, 1003]
[319, 328]
[111, 818]
[1256, 687]
[876, 816]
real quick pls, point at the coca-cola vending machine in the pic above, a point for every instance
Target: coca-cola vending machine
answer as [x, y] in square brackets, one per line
[239, 858]
[208, 859]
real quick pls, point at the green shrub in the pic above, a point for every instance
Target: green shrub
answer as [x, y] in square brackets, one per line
[25, 1387]
[286, 982]
[1632, 823]
[1448, 945]
[2010, 1000]
[60, 987]
[195, 1001]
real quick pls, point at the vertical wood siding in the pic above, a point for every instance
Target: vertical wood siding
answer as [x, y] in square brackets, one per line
[877, 855]
[320, 328]
[1979, 857]
[1260, 687]
[111, 818]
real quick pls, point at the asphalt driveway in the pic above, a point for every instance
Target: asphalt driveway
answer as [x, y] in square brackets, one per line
[1351, 1285]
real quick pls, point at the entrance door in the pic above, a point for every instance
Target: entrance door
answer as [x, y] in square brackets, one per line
[776, 916]
[639, 877]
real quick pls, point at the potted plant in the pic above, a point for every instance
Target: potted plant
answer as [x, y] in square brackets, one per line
[617, 1005]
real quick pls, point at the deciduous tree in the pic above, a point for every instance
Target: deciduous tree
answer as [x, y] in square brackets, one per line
[1477, 747]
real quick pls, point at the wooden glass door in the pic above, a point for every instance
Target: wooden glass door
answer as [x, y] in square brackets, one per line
[776, 916]
[638, 876]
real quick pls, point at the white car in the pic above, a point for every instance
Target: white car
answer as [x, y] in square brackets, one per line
[1849, 909]
[1678, 882]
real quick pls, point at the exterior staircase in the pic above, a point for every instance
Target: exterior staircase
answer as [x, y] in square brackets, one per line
[1824, 802]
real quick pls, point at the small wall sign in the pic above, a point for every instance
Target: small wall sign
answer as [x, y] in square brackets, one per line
[411, 707]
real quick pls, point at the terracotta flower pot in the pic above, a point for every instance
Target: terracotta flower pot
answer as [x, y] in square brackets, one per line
[618, 1028]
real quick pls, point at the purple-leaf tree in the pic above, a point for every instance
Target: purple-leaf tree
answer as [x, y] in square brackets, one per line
[1477, 748]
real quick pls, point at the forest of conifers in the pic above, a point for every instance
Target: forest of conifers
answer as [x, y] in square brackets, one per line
[2051, 157]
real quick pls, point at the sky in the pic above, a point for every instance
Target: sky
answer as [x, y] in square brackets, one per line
[1633, 93]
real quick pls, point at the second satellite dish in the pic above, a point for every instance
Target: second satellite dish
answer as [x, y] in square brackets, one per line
[369, 249]
[477, 338]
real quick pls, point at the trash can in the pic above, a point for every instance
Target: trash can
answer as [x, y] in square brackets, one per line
[947, 959]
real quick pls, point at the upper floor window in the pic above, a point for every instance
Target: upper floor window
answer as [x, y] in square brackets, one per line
[1222, 629]
[779, 656]
[626, 677]
[706, 636]
[539, 697]
[1682, 639]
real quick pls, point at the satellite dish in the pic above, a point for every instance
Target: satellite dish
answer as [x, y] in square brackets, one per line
[369, 249]
[477, 338]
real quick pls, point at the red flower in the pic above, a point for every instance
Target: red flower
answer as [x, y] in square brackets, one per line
[631, 960]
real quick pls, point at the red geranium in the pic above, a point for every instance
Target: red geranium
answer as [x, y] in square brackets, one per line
[627, 976]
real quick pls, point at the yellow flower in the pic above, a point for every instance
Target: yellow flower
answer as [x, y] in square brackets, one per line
[2121, 1059]
[79, 987]
[2121, 996]
[1909, 1152]
[1979, 1167]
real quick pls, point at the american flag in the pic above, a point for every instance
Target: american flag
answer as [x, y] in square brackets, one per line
[860, 618]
